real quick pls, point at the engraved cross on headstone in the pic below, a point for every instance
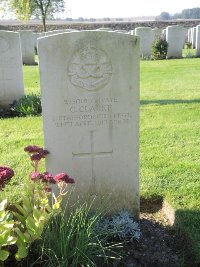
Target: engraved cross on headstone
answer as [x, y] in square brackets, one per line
[92, 154]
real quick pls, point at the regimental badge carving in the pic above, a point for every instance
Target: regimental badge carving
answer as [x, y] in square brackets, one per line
[90, 68]
[4, 45]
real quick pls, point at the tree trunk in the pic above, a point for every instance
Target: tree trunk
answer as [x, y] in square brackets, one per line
[44, 23]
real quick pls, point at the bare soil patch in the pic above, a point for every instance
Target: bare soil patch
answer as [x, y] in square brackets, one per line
[161, 245]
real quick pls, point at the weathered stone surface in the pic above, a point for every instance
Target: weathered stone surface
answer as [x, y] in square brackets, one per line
[27, 46]
[11, 75]
[193, 37]
[146, 39]
[90, 100]
[198, 41]
[175, 36]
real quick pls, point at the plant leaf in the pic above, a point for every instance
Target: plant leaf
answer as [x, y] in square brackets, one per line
[3, 254]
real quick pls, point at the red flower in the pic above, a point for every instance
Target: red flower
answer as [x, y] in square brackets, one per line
[61, 177]
[39, 155]
[64, 177]
[6, 174]
[37, 152]
[36, 157]
[32, 149]
[36, 176]
[48, 177]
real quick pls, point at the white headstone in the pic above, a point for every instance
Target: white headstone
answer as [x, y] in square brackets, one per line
[90, 101]
[175, 36]
[146, 39]
[27, 46]
[198, 40]
[194, 37]
[11, 75]
[188, 35]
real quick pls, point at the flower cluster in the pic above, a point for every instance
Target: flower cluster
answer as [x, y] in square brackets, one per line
[47, 178]
[64, 177]
[6, 174]
[37, 153]
[23, 222]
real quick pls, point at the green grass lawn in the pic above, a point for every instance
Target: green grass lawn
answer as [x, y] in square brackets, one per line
[169, 139]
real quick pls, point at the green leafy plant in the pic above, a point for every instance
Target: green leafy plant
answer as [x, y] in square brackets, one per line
[121, 227]
[189, 52]
[72, 240]
[7, 236]
[22, 223]
[28, 105]
[159, 48]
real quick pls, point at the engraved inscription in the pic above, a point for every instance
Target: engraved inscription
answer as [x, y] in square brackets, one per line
[90, 68]
[92, 112]
[92, 154]
[4, 45]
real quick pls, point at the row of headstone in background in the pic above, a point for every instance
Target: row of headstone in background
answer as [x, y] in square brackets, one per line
[147, 36]
[175, 36]
[194, 38]
[11, 73]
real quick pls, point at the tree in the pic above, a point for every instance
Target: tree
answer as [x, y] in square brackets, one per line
[159, 48]
[25, 9]
[164, 16]
[193, 13]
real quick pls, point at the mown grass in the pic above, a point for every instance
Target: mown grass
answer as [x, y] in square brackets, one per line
[31, 79]
[169, 138]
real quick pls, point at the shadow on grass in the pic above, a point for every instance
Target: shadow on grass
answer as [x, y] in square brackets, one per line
[169, 101]
[185, 232]
[188, 222]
